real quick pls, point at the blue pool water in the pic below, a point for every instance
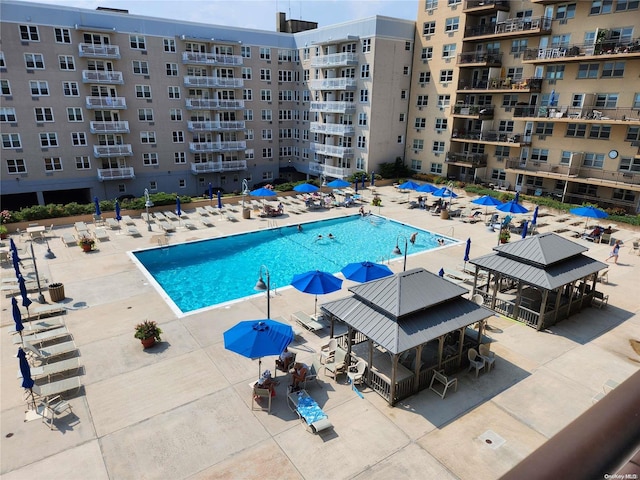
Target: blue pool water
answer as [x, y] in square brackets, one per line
[203, 273]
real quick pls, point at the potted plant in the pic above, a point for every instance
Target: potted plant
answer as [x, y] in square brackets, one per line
[148, 332]
[3, 232]
[504, 235]
[86, 243]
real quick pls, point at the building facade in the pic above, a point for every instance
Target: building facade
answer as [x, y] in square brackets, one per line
[538, 96]
[104, 103]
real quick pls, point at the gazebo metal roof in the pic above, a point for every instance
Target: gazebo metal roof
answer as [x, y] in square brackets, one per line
[544, 249]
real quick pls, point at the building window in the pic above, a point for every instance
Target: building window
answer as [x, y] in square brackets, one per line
[403, 94]
[438, 147]
[633, 134]
[498, 174]
[416, 164]
[245, 51]
[444, 101]
[34, 61]
[48, 139]
[599, 7]
[422, 101]
[148, 137]
[246, 73]
[623, 5]
[11, 140]
[452, 24]
[400, 139]
[401, 118]
[429, 28]
[446, 75]
[629, 164]
[66, 62]
[52, 164]
[420, 122]
[39, 88]
[143, 91]
[43, 114]
[502, 151]
[266, 115]
[267, 153]
[145, 114]
[140, 67]
[29, 33]
[407, 46]
[364, 95]
[265, 74]
[520, 45]
[70, 89]
[179, 158]
[509, 100]
[366, 45]
[137, 42]
[267, 134]
[8, 114]
[435, 168]
[588, 70]
[178, 136]
[74, 114]
[405, 70]
[554, 72]
[364, 71]
[149, 159]
[362, 141]
[540, 155]
[174, 92]
[175, 114]
[83, 162]
[566, 11]
[79, 139]
[362, 119]
[593, 160]
[430, 4]
[600, 132]
[3, 63]
[265, 53]
[424, 78]
[247, 94]
[613, 69]
[418, 144]
[606, 100]
[578, 130]
[441, 123]
[265, 95]
[544, 128]
[624, 195]
[449, 50]
[169, 45]
[248, 115]
[16, 166]
[62, 35]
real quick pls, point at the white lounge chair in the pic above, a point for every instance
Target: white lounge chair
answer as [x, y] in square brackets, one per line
[445, 381]
[54, 368]
[69, 239]
[113, 224]
[44, 336]
[166, 226]
[45, 354]
[159, 216]
[56, 388]
[171, 216]
[35, 326]
[307, 321]
[101, 235]
[190, 225]
[230, 217]
[133, 231]
[128, 220]
[207, 222]
[202, 211]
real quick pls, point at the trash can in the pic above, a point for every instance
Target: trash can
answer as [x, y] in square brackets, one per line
[246, 213]
[444, 214]
[56, 292]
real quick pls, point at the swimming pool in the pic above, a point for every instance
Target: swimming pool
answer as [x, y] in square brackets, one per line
[199, 274]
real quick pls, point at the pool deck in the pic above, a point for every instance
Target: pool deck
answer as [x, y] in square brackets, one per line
[182, 409]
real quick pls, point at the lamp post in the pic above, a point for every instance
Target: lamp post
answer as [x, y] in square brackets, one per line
[260, 285]
[397, 251]
[35, 268]
[147, 203]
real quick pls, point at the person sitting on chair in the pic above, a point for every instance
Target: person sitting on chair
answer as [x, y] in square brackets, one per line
[298, 374]
[284, 362]
[265, 381]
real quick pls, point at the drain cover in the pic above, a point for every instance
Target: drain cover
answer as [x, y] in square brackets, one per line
[492, 439]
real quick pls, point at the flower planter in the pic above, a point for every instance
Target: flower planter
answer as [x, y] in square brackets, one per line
[148, 342]
[56, 292]
[86, 247]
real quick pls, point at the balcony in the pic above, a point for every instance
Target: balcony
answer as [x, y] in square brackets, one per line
[98, 51]
[101, 76]
[196, 58]
[475, 59]
[479, 112]
[104, 151]
[213, 82]
[335, 60]
[106, 103]
[485, 7]
[491, 137]
[332, 128]
[115, 173]
[109, 127]
[582, 52]
[333, 107]
[328, 170]
[333, 84]
[215, 126]
[331, 150]
[213, 104]
[510, 28]
[567, 114]
[531, 85]
[474, 160]
[577, 173]
[213, 167]
[204, 147]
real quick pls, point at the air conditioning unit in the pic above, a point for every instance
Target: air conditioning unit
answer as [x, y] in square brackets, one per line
[418, 129]
[430, 12]
[516, 55]
[424, 60]
[507, 109]
[542, 137]
[563, 21]
[552, 82]
[416, 151]
[419, 108]
[500, 159]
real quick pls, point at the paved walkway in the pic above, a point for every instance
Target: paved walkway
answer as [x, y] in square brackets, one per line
[182, 410]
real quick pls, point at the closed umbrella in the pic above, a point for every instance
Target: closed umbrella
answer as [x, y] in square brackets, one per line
[338, 183]
[210, 193]
[588, 212]
[258, 338]
[534, 220]
[15, 258]
[17, 316]
[356, 186]
[118, 216]
[365, 271]
[97, 205]
[525, 229]
[467, 250]
[373, 179]
[306, 188]
[178, 209]
[316, 282]
[441, 272]
[363, 178]
[219, 199]
[26, 301]
[25, 371]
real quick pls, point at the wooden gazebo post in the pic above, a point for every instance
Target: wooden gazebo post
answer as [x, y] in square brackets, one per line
[392, 387]
[440, 350]
[416, 366]
[543, 304]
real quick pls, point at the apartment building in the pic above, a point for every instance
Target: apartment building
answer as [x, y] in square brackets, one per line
[538, 96]
[104, 103]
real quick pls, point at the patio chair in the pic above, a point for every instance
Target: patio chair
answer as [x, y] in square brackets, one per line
[603, 276]
[495, 218]
[56, 388]
[356, 372]
[327, 351]
[279, 364]
[53, 408]
[337, 366]
[260, 396]
[312, 374]
[475, 361]
[440, 377]
[487, 355]
[45, 354]
[599, 300]
[636, 247]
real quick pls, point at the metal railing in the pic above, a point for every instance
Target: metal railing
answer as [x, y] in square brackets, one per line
[115, 173]
[213, 82]
[211, 126]
[576, 171]
[95, 76]
[115, 103]
[333, 107]
[211, 59]
[510, 26]
[480, 57]
[217, 146]
[98, 51]
[112, 150]
[213, 104]
[605, 47]
[109, 127]
[335, 60]
[222, 166]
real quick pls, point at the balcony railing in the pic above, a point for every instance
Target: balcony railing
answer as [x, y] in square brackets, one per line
[484, 5]
[331, 150]
[483, 112]
[100, 76]
[335, 60]
[213, 82]
[583, 50]
[109, 127]
[101, 151]
[510, 27]
[223, 166]
[473, 159]
[483, 58]
[199, 147]
[333, 107]
[332, 128]
[506, 83]
[333, 84]
[98, 51]
[328, 170]
[594, 175]
[108, 103]
[115, 173]
[490, 136]
[211, 59]
[213, 104]
[599, 114]
[215, 126]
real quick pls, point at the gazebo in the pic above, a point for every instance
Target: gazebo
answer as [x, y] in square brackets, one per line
[539, 280]
[405, 327]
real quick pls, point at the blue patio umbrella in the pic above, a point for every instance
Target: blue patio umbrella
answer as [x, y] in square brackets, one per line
[588, 211]
[178, 209]
[338, 183]
[512, 207]
[426, 188]
[467, 250]
[534, 220]
[26, 301]
[25, 370]
[210, 192]
[525, 227]
[16, 265]
[363, 178]
[219, 195]
[444, 192]
[118, 216]
[263, 192]
[409, 185]
[365, 271]
[441, 272]
[97, 204]
[17, 316]
[306, 188]
[373, 179]
[316, 282]
[258, 338]
[487, 201]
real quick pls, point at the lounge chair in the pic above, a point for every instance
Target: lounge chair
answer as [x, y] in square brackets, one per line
[230, 217]
[101, 235]
[39, 337]
[307, 321]
[440, 377]
[312, 374]
[211, 210]
[473, 218]
[308, 411]
[337, 366]
[81, 227]
[202, 211]
[45, 354]
[260, 396]
[133, 231]
[54, 407]
[171, 216]
[36, 326]
[46, 310]
[69, 239]
[55, 368]
[113, 224]
[56, 388]
[166, 226]
[128, 220]
[190, 225]
[159, 217]
[599, 300]
[207, 222]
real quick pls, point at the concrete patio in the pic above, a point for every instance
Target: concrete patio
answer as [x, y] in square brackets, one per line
[181, 410]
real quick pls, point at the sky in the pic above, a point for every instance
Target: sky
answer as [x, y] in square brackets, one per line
[258, 14]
